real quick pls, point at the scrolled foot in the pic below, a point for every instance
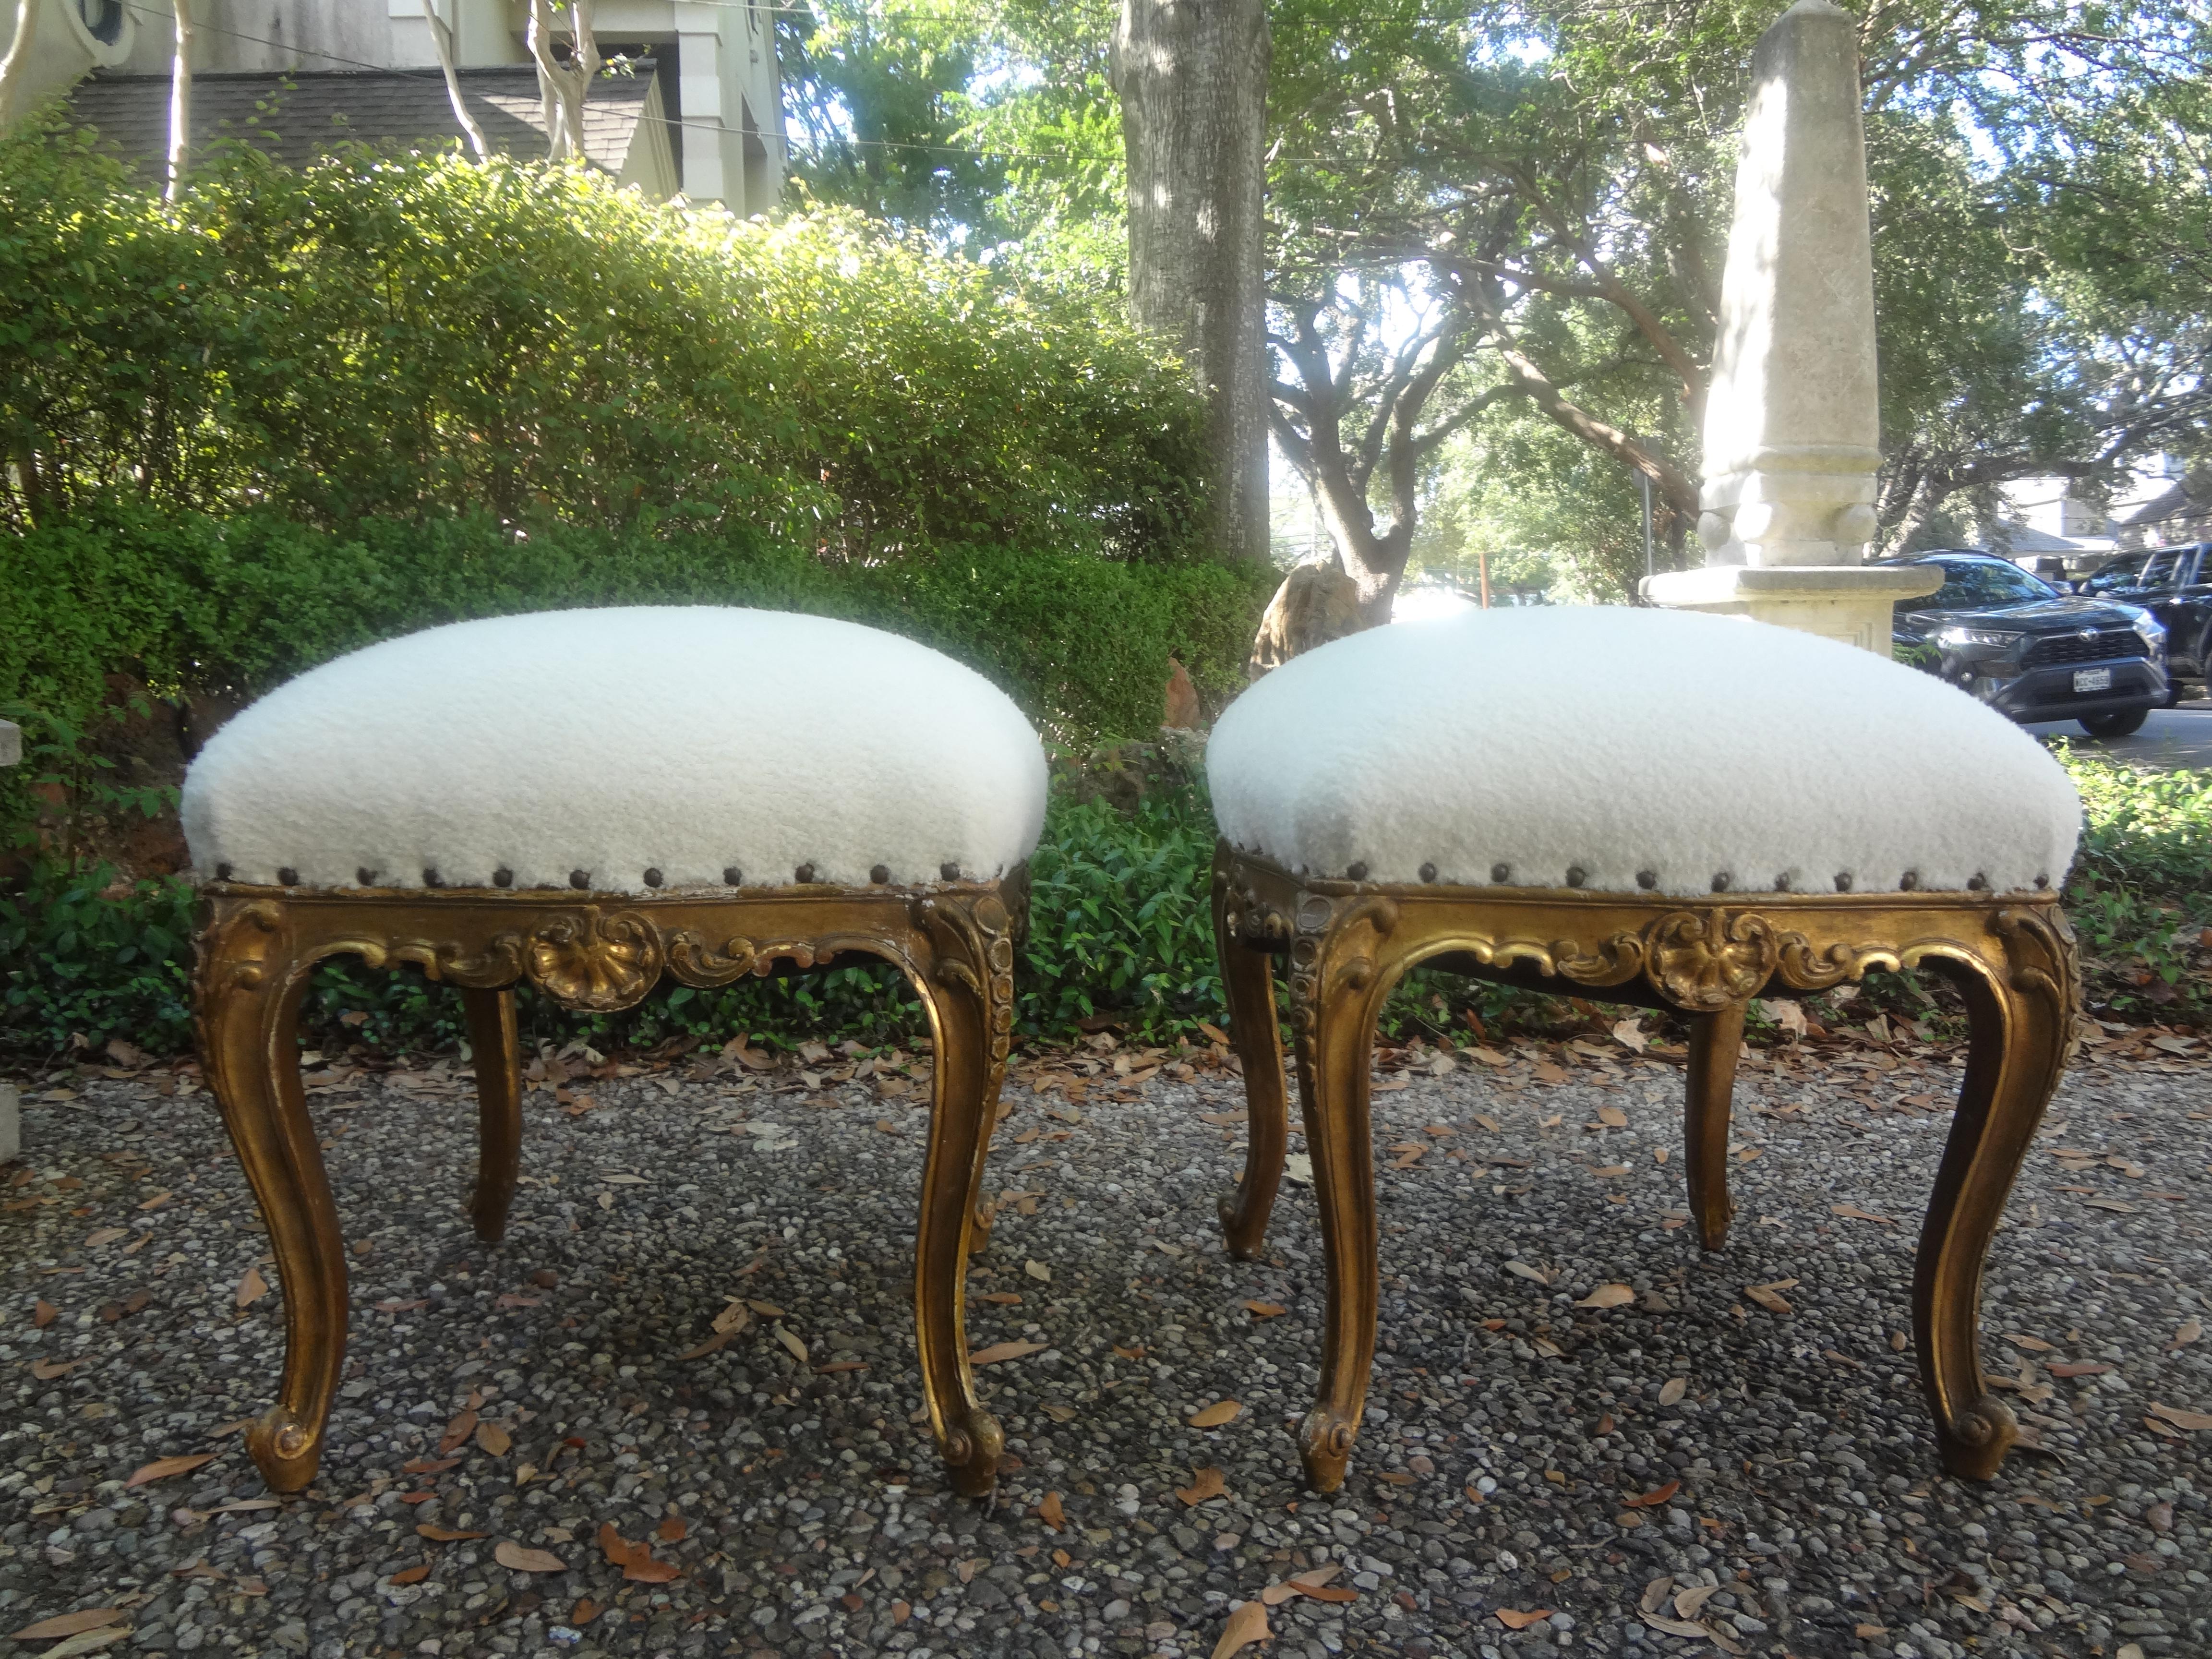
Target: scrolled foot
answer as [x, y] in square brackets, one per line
[1325, 1442]
[1242, 1235]
[1713, 1224]
[286, 1450]
[971, 1452]
[1976, 1441]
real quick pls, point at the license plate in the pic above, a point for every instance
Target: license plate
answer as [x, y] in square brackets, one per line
[2093, 679]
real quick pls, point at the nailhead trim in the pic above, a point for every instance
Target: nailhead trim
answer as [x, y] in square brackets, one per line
[223, 872]
[1721, 880]
[804, 875]
[2042, 881]
[1843, 881]
[1782, 882]
[432, 878]
[365, 876]
[653, 878]
[1910, 880]
[1577, 876]
[1977, 883]
[502, 876]
[1428, 873]
[581, 879]
[1357, 873]
[1647, 879]
[1501, 874]
[288, 877]
[880, 875]
[948, 870]
[732, 877]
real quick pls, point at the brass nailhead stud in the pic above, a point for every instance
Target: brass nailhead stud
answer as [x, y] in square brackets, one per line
[1501, 873]
[949, 871]
[804, 875]
[502, 878]
[1428, 873]
[1647, 879]
[365, 876]
[1977, 883]
[2042, 881]
[1910, 880]
[1782, 882]
[223, 872]
[1577, 876]
[580, 879]
[1721, 882]
[432, 878]
[288, 877]
[1357, 873]
[732, 877]
[653, 878]
[1843, 881]
[880, 875]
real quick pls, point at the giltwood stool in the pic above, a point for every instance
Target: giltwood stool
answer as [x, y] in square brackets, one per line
[1678, 811]
[584, 800]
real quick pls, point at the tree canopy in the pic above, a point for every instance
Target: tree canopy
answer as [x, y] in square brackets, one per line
[1497, 226]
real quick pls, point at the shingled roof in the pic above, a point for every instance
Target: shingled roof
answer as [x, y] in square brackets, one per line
[299, 115]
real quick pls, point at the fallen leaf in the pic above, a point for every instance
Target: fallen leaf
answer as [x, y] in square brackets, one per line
[1608, 1295]
[1265, 1310]
[1329, 1592]
[1689, 1601]
[732, 1319]
[445, 1535]
[1038, 1271]
[1852, 1212]
[673, 1530]
[793, 1341]
[493, 1440]
[161, 1468]
[1204, 1484]
[1653, 1498]
[1864, 1630]
[1522, 1270]
[2031, 1343]
[409, 1575]
[2189, 1331]
[1655, 1595]
[1297, 1169]
[1770, 1296]
[47, 1370]
[650, 1571]
[67, 1624]
[516, 1557]
[105, 1236]
[2112, 1204]
[1673, 1389]
[457, 1431]
[1248, 1625]
[2081, 1368]
[1050, 1512]
[584, 1611]
[998, 1351]
[1213, 1416]
[1059, 1412]
[429, 1466]
[1630, 1035]
[2182, 1420]
[1613, 1117]
[1676, 1626]
[1514, 1618]
[45, 1314]
[1546, 1072]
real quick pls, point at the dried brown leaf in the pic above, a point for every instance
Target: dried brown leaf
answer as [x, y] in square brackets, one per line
[1248, 1625]
[1213, 1416]
[1608, 1296]
[1002, 1351]
[445, 1535]
[493, 1440]
[518, 1557]
[67, 1624]
[161, 1468]
[1051, 1513]
[1671, 1390]
[1515, 1618]
[251, 1288]
[1204, 1484]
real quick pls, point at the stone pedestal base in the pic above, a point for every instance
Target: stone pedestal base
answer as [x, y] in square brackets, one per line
[1848, 602]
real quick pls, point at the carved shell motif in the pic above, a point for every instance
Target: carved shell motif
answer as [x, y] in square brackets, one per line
[1709, 959]
[594, 962]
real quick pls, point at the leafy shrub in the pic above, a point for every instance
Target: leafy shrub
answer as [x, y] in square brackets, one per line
[2141, 892]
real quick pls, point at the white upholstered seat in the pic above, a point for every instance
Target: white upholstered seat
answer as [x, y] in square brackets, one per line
[1622, 750]
[622, 750]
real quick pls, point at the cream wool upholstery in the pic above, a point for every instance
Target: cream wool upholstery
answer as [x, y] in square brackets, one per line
[1622, 750]
[622, 750]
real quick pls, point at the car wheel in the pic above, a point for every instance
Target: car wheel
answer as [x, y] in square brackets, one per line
[2115, 725]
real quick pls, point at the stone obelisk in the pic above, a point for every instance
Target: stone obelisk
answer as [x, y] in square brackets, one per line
[1791, 434]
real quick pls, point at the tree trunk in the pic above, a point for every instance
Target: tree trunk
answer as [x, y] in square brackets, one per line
[19, 55]
[441, 42]
[1193, 80]
[180, 101]
[562, 88]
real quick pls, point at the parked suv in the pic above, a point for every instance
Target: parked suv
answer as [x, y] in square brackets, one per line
[2030, 652]
[2174, 584]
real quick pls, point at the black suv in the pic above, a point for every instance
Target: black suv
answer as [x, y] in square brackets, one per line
[2030, 652]
[2174, 584]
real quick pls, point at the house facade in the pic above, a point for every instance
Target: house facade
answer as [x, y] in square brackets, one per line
[695, 110]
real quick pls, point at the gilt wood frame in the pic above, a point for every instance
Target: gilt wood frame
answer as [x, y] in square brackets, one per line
[954, 943]
[1346, 943]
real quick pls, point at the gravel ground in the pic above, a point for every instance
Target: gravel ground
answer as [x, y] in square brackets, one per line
[796, 1507]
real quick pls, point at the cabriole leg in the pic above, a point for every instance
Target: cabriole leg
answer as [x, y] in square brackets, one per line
[498, 1106]
[1716, 1039]
[1248, 981]
[970, 995]
[249, 995]
[2021, 1029]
